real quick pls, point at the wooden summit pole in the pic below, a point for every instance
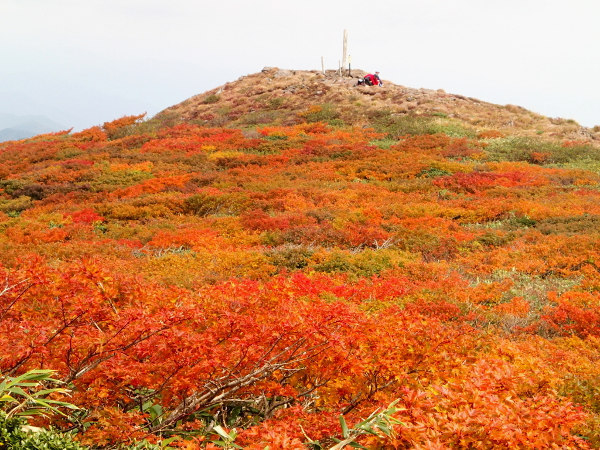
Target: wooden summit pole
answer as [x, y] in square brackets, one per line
[322, 65]
[345, 51]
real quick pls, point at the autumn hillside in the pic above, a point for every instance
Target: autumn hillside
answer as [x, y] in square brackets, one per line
[290, 261]
[279, 96]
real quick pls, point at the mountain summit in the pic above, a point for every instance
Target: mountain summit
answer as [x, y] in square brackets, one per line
[285, 97]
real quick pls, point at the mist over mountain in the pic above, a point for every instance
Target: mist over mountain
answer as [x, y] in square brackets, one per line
[15, 127]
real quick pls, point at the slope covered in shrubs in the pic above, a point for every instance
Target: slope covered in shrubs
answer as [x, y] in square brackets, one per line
[283, 284]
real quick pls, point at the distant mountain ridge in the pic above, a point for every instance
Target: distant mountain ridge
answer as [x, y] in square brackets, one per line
[14, 127]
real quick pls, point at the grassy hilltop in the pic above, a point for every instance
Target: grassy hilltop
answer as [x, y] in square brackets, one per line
[292, 261]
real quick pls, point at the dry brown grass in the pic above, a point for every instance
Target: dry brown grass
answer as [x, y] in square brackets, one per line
[288, 93]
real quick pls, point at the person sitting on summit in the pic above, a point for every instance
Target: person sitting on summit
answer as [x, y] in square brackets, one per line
[373, 79]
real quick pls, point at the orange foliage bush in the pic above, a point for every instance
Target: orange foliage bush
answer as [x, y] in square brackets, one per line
[273, 280]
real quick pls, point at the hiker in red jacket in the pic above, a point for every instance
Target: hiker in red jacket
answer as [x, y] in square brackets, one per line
[372, 80]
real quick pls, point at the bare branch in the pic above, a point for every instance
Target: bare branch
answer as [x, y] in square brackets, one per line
[215, 391]
[8, 288]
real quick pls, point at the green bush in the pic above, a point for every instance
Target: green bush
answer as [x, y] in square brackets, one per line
[276, 102]
[111, 180]
[13, 435]
[521, 222]
[401, 125]
[384, 143]
[12, 185]
[290, 257]
[569, 225]
[204, 204]
[15, 206]
[324, 113]
[335, 262]
[433, 172]
[150, 126]
[522, 148]
[211, 99]
[491, 239]
[25, 396]
[362, 264]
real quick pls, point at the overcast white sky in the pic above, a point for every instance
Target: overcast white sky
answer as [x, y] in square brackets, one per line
[84, 62]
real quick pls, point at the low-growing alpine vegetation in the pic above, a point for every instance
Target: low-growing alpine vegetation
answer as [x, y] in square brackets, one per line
[408, 283]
